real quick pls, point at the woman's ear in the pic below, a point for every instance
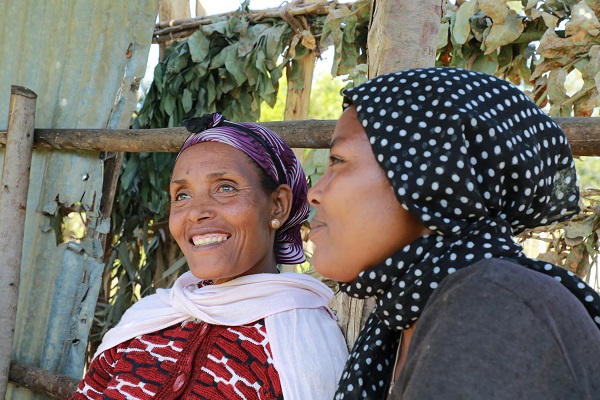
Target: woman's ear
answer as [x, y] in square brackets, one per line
[282, 203]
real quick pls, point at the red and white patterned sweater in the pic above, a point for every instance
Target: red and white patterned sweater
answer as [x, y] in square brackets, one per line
[193, 360]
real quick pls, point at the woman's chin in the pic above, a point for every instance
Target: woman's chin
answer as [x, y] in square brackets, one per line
[204, 273]
[332, 271]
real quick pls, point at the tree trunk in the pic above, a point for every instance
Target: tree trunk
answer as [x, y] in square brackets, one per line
[200, 10]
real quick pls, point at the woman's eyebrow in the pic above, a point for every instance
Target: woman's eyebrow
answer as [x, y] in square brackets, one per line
[215, 175]
[212, 175]
[178, 182]
[335, 141]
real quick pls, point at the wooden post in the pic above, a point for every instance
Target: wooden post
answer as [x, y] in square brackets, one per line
[297, 100]
[200, 9]
[13, 202]
[403, 35]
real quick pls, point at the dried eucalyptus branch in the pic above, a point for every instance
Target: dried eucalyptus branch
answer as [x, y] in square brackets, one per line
[179, 29]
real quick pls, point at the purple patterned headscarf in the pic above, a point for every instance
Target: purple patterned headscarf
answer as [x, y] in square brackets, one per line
[274, 157]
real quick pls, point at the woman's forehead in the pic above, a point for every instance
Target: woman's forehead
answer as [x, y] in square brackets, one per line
[348, 128]
[208, 157]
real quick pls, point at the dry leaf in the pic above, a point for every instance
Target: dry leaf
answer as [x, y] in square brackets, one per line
[550, 257]
[577, 231]
[575, 258]
[308, 40]
[462, 27]
[531, 4]
[597, 81]
[551, 21]
[582, 19]
[497, 10]
[584, 105]
[552, 46]
[535, 13]
[502, 34]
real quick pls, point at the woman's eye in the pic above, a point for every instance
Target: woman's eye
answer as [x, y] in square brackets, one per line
[334, 160]
[181, 196]
[225, 188]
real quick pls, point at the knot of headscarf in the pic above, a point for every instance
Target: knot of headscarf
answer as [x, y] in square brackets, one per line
[275, 158]
[476, 161]
[207, 121]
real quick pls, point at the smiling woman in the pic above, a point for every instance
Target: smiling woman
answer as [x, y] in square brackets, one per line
[222, 216]
[232, 327]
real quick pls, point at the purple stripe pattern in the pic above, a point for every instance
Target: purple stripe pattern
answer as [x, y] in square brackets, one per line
[278, 156]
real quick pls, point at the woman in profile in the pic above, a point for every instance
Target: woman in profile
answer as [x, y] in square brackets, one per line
[232, 327]
[432, 172]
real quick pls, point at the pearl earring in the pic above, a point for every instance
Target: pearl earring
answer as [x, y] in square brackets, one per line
[275, 224]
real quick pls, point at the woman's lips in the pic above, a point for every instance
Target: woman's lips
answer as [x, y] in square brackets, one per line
[315, 227]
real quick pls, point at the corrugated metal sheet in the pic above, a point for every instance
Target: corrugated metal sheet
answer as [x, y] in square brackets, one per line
[83, 59]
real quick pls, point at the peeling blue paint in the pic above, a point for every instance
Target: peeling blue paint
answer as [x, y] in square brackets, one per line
[73, 54]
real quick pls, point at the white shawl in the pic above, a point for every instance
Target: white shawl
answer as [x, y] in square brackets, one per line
[309, 351]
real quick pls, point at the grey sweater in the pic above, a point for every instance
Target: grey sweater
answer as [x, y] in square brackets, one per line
[496, 330]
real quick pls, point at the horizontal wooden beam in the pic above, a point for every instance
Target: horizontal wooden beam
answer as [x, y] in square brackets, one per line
[583, 134]
[55, 385]
[310, 134]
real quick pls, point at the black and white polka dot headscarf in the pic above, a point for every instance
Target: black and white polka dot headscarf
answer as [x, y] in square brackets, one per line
[476, 161]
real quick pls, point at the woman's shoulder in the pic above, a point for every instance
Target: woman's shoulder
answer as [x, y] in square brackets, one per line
[497, 290]
[497, 316]
[517, 281]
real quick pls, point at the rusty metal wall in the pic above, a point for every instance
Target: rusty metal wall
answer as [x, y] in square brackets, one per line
[84, 59]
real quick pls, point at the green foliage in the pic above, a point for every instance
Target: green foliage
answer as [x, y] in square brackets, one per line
[138, 251]
[325, 99]
[343, 26]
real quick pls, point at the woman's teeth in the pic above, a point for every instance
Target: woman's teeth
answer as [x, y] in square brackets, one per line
[202, 241]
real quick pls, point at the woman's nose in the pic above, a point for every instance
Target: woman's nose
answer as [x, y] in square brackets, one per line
[315, 193]
[200, 209]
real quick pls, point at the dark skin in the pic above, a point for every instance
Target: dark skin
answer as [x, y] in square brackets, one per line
[358, 221]
[221, 213]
